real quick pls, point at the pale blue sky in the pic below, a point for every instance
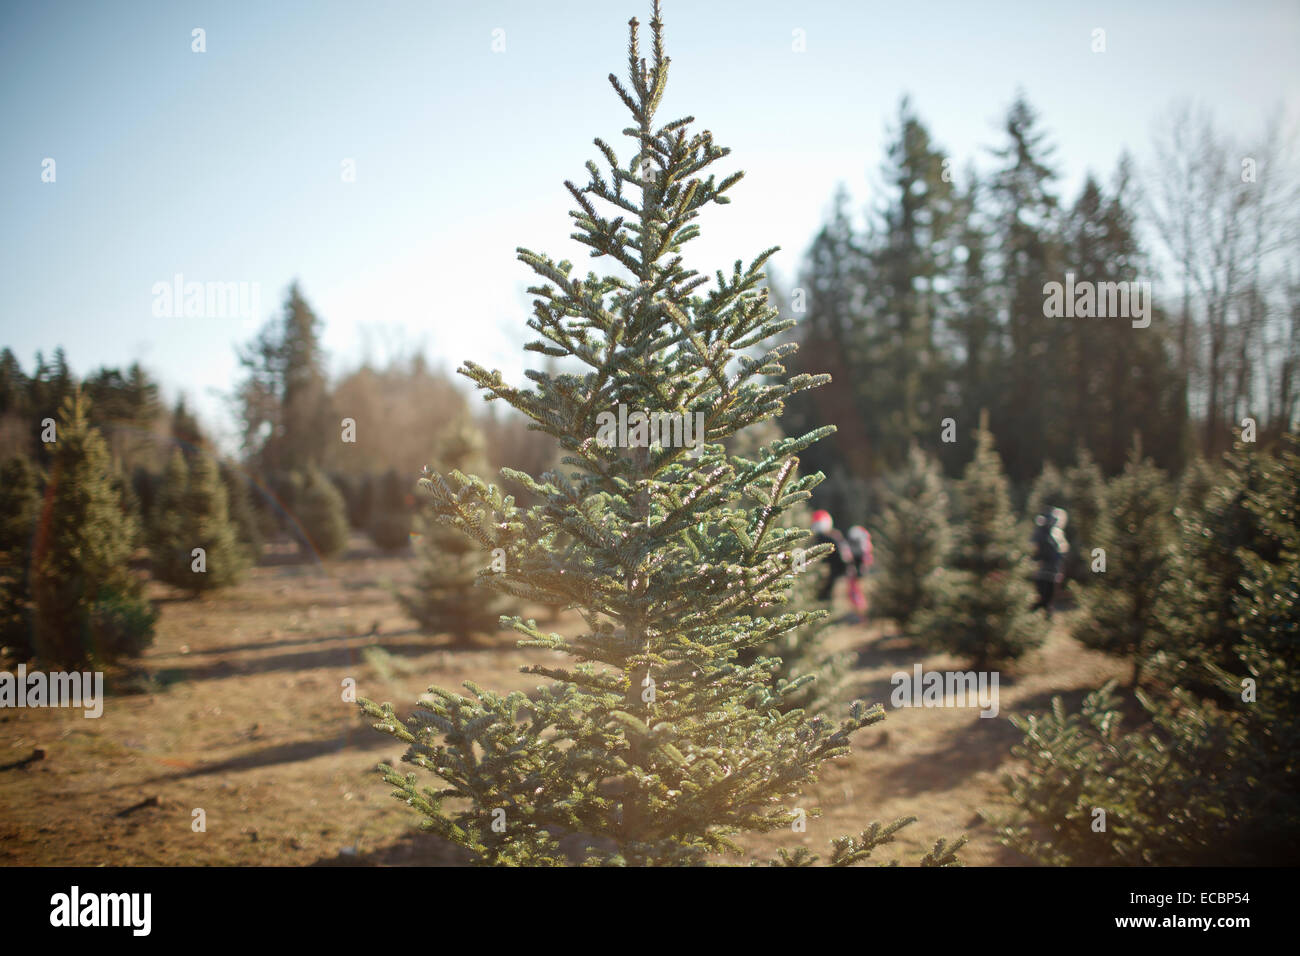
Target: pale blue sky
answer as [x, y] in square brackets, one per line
[225, 166]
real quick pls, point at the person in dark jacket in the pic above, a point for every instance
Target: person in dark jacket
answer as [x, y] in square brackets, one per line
[1050, 549]
[837, 566]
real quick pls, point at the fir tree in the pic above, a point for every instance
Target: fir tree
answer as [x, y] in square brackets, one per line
[243, 514]
[1086, 493]
[88, 604]
[194, 515]
[1124, 613]
[20, 506]
[320, 512]
[670, 745]
[390, 525]
[911, 540]
[1048, 492]
[445, 598]
[980, 601]
[170, 531]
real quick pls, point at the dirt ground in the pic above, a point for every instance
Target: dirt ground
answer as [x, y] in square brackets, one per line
[237, 710]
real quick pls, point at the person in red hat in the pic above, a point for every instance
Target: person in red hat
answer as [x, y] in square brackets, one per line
[824, 532]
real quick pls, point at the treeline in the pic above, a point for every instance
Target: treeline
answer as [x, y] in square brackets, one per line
[102, 481]
[937, 308]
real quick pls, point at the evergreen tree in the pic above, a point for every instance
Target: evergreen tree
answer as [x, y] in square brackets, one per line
[1029, 255]
[1086, 493]
[980, 601]
[1048, 492]
[88, 604]
[445, 598]
[194, 514]
[1205, 780]
[671, 745]
[390, 525]
[911, 540]
[320, 512]
[1124, 613]
[20, 506]
[903, 377]
[170, 531]
[243, 514]
[287, 419]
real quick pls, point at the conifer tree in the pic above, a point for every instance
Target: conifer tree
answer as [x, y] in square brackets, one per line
[981, 599]
[194, 516]
[445, 598]
[88, 605]
[655, 744]
[320, 511]
[20, 506]
[243, 514]
[1086, 493]
[911, 540]
[1048, 491]
[390, 525]
[170, 532]
[1124, 613]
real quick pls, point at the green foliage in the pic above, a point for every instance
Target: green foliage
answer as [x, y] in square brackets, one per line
[445, 598]
[88, 604]
[1085, 490]
[656, 744]
[320, 512]
[246, 518]
[390, 524]
[193, 512]
[1207, 779]
[20, 507]
[911, 540]
[1123, 610]
[979, 605]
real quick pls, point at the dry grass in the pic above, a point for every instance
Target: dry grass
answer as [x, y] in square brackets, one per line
[238, 710]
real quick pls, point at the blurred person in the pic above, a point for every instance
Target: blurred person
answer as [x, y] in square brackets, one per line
[1050, 549]
[863, 557]
[837, 563]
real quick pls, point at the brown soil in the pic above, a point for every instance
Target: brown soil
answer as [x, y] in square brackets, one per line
[238, 711]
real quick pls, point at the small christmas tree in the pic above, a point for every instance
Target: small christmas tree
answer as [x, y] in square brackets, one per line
[88, 604]
[912, 539]
[1049, 491]
[445, 599]
[981, 600]
[320, 512]
[655, 744]
[196, 546]
[1124, 613]
[20, 507]
[1086, 493]
[390, 524]
[243, 514]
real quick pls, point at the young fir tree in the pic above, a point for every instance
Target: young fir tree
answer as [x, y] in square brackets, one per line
[980, 602]
[194, 516]
[243, 514]
[1208, 780]
[1123, 611]
[1048, 492]
[445, 598]
[654, 745]
[390, 525]
[911, 540]
[20, 507]
[320, 512]
[1086, 493]
[88, 605]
